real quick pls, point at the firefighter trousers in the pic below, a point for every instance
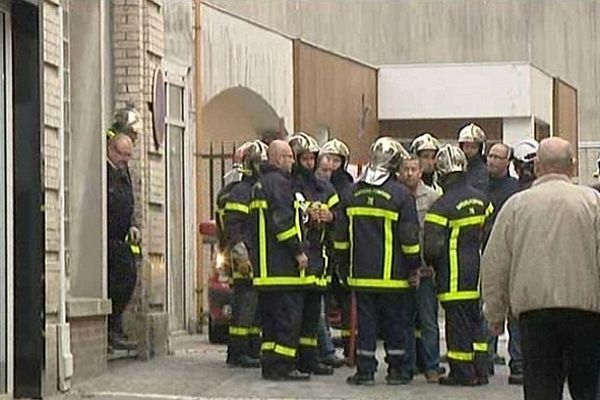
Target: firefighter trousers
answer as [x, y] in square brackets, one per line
[466, 340]
[342, 297]
[386, 310]
[308, 350]
[281, 316]
[244, 331]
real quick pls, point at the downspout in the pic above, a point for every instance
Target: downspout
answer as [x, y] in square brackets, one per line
[65, 358]
[198, 104]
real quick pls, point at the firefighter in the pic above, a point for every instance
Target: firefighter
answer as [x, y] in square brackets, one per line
[342, 182]
[319, 201]
[126, 121]
[454, 226]
[123, 239]
[381, 245]
[233, 224]
[426, 146]
[280, 263]
[471, 140]
[524, 152]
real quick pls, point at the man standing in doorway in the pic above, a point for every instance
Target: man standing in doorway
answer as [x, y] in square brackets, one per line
[123, 238]
[541, 265]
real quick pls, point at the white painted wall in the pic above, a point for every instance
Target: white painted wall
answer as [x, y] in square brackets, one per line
[454, 91]
[239, 53]
[516, 129]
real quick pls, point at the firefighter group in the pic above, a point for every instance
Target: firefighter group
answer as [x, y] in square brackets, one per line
[296, 230]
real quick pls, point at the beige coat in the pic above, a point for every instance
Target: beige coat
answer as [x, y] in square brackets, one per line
[544, 251]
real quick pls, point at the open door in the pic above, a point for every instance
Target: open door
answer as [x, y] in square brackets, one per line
[565, 115]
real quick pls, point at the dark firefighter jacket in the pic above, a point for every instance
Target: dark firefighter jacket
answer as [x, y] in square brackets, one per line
[454, 228]
[477, 174]
[233, 216]
[277, 232]
[121, 254]
[380, 235]
[318, 192]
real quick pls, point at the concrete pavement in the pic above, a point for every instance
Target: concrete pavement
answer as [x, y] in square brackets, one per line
[196, 370]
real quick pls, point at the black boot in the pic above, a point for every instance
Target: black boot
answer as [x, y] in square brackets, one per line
[361, 379]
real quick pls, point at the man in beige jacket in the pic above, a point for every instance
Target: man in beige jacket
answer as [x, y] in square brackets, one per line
[542, 264]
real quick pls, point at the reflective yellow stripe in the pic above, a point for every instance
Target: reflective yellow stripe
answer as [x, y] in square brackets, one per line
[333, 200]
[260, 204]
[345, 333]
[233, 206]
[262, 240]
[341, 245]
[462, 295]
[284, 280]
[135, 249]
[254, 331]
[238, 331]
[378, 283]
[467, 221]
[372, 212]
[267, 346]
[411, 250]
[321, 282]
[284, 351]
[388, 249]
[297, 222]
[460, 355]
[436, 219]
[418, 334]
[453, 250]
[489, 210]
[287, 234]
[308, 341]
[480, 346]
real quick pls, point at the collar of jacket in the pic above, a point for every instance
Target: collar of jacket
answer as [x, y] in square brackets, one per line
[497, 181]
[476, 163]
[269, 168]
[552, 177]
[421, 190]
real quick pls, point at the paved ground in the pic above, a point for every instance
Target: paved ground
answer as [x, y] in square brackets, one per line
[196, 371]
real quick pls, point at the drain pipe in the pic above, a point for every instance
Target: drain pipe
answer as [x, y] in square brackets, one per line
[65, 358]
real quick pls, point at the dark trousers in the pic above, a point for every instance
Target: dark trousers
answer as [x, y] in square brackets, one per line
[122, 279]
[514, 347]
[342, 297]
[559, 344]
[466, 340]
[308, 350]
[424, 352]
[389, 311]
[244, 331]
[281, 315]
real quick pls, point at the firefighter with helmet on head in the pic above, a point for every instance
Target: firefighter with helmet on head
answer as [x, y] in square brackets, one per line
[340, 155]
[524, 153]
[379, 249]
[425, 147]
[454, 227]
[126, 121]
[319, 201]
[234, 230]
[472, 141]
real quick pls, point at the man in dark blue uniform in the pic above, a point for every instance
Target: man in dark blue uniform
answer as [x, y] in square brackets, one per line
[123, 238]
[471, 140]
[381, 245]
[234, 227]
[280, 263]
[454, 226]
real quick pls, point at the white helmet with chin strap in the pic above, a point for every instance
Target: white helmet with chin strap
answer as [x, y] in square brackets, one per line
[385, 158]
[472, 134]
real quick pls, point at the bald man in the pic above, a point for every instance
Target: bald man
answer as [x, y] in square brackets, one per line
[541, 264]
[279, 263]
[123, 238]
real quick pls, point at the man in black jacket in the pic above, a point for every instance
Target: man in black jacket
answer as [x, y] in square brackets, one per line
[280, 263]
[454, 226]
[123, 238]
[234, 228]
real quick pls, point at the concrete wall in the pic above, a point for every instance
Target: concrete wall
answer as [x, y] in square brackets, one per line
[560, 37]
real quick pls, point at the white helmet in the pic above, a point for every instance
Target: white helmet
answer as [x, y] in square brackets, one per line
[338, 148]
[426, 141]
[596, 173]
[525, 150]
[385, 158]
[450, 159]
[472, 134]
[302, 142]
